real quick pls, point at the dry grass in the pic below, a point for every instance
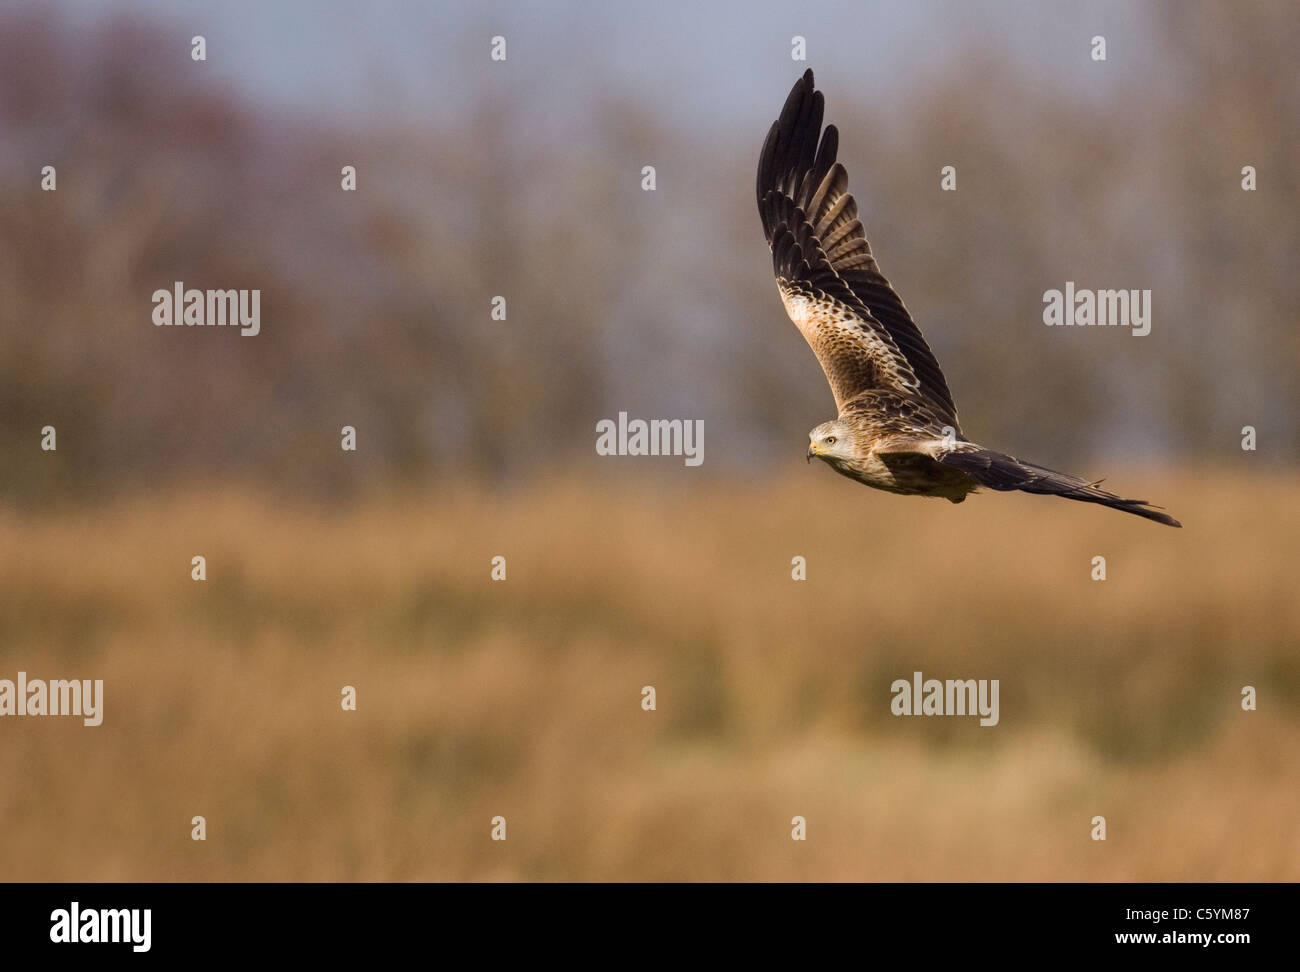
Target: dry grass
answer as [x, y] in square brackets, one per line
[522, 698]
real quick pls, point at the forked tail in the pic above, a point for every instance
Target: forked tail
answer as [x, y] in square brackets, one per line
[1002, 472]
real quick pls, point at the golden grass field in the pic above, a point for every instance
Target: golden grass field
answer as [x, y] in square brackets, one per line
[522, 698]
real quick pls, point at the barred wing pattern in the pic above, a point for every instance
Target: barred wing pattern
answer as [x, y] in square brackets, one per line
[829, 281]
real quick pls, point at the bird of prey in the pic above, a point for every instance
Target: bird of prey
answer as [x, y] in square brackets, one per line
[897, 426]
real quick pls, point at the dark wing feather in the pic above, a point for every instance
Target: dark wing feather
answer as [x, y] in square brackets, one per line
[798, 174]
[999, 471]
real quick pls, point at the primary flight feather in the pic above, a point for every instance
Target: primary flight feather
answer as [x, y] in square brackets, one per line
[897, 427]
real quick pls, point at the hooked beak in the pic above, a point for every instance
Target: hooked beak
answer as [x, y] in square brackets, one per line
[812, 450]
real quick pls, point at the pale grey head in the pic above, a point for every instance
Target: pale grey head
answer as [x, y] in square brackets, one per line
[831, 441]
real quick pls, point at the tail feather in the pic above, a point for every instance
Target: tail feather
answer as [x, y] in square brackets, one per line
[1002, 472]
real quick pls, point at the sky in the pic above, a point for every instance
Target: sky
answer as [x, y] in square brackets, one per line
[716, 63]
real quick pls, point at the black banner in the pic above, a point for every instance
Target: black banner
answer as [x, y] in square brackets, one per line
[172, 921]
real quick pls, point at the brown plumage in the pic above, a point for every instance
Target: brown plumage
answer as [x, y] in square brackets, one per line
[897, 427]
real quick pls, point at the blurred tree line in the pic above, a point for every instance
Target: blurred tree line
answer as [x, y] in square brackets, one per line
[376, 304]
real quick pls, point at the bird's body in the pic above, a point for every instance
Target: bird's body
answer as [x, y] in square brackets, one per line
[897, 426]
[891, 443]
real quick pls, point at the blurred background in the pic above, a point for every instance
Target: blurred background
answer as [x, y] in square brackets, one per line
[476, 438]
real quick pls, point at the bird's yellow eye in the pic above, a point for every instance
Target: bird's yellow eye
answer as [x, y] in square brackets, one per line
[830, 440]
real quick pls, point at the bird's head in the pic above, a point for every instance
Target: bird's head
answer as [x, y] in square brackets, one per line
[830, 441]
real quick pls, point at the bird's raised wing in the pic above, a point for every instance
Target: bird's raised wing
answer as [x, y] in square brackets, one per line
[832, 288]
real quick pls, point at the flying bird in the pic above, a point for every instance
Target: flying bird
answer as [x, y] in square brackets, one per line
[897, 426]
